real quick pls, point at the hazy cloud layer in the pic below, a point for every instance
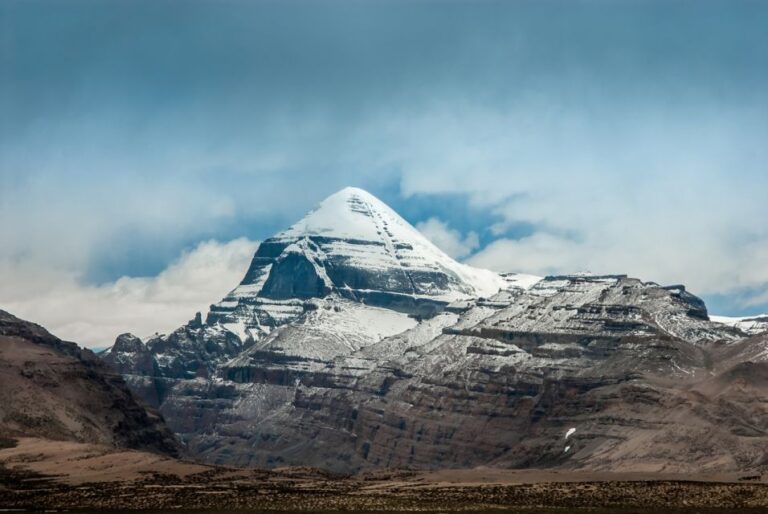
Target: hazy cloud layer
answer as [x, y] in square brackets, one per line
[94, 315]
[447, 239]
[594, 135]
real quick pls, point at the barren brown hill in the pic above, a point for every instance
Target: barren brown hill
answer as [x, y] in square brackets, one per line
[56, 390]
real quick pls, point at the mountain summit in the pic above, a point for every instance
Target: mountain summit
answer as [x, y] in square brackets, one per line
[352, 213]
[353, 246]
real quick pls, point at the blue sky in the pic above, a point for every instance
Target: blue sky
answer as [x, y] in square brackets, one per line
[545, 136]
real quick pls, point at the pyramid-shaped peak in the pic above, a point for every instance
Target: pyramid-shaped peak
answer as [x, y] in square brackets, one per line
[353, 213]
[356, 247]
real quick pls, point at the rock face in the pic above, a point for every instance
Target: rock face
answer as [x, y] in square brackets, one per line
[192, 351]
[353, 343]
[55, 390]
[627, 364]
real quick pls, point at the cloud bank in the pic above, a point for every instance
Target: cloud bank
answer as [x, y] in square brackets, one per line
[447, 239]
[94, 315]
[580, 135]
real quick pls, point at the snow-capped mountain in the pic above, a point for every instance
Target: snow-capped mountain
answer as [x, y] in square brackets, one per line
[353, 342]
[352, 246]
[348, 274]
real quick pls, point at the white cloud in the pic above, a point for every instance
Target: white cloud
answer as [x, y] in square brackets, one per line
[601, 192]
[660, 188]
[539, 254]
[668, 255]
[94, 315]
[447, 239]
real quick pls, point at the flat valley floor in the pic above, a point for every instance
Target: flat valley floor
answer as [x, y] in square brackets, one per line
[37, 474]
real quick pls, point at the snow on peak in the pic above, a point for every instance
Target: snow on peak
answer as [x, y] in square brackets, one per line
[355, 214]
[351, 213]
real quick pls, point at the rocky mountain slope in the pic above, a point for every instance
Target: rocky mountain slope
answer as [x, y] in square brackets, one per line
[354, 343]
[53, 389]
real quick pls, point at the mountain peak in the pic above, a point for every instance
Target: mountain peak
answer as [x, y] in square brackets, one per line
[352, 213]
[354, 246]
[353, 216]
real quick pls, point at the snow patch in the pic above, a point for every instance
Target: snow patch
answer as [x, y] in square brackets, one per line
[750, 324]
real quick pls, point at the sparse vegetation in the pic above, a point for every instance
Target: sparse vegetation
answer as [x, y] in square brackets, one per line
[7, 442]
